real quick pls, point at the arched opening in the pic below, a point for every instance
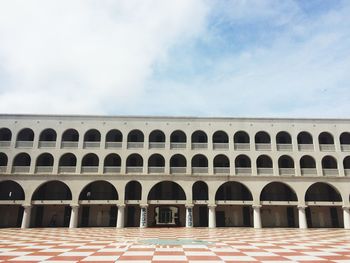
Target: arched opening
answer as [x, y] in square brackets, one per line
[3, 162]
[172, 211]
[67, 163]
[135, 139]
[308, 165]
[346, 163]
[345, 139]
[262, 141]
[200, 210]
[233, 205]
[199, 164]
[241, 137]
[279, 202]
[133, 190]
[5, 135]
[51, 205]
[286, 165]
[44, 163]
[70, 139]
[11, 214]
[134, 163]
[220, 140]
[48, 135]
[243, 164]
[264, 164]
[21, 163]
[305, 141]
[156, 139]
[221, 164]
[25, 138]
[92, 139]
[90, 163]
[283, 138]
[326, 141]
[178, 164]
[103, 212]
[178, 137]
[112, 163]
[324, 206]
[156, 163]
[329, 165]
[199, 140]
[114, 139]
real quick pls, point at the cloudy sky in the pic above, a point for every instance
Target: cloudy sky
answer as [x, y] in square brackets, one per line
[243, 58]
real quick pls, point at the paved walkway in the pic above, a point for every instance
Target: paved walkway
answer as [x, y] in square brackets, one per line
[174, 245]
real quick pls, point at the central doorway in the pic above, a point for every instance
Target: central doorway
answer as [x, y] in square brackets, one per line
[167, 216]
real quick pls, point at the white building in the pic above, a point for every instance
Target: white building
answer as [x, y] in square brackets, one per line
[169, 171]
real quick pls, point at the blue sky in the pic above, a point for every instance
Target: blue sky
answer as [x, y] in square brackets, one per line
[245, 58]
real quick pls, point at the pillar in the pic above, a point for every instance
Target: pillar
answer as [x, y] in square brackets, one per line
[73, 222]
[143, 216]
[212, 216]
[256, 216]
[189, 215]
[346, 217]
[120, 218]
[302, 217]
[26, 216]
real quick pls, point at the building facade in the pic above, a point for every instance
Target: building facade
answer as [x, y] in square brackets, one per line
[86, 171]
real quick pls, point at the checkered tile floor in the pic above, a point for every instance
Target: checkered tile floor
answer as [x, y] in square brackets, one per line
[214, 245]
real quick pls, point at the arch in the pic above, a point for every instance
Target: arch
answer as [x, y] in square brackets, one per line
[178, 136]
[134, 160]
[11, 190]
[241, 137]
[285, 161]
[307, 161]
[346, 162]
[278, 191]
[243, 161]
[199, 160]
[99, 190]
[262, 137]
[45, 159]
[199, 137]
[22, 159]
[166, 190]
[345, 138]
[221, 160]
[52, 190]
[200, 191]
[329, 162]
[231, 191]
[178, 160]
[264, 161]
[48, 135]
[5, 134]
[70, 135]
[156, 160]
[112, 160]
[304, 138]
[92, 135]
[3, 159]
[136, 136]
[133, 190]
[325, 138]
[283, 137]
[220, 137]
[25, 134]
[90, 159]
[68, 159]
[114, 136]
[322, 192]
[157, 136]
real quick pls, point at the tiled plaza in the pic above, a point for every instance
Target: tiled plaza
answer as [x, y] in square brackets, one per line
[174, 245]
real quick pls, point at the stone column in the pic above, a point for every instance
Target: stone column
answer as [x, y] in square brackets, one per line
[120, 218]
[212, 216]
[302, 217]
[73, 222]
[346, 217]
[256, 216]
[26, 216]
[143, 216]
[189, 215]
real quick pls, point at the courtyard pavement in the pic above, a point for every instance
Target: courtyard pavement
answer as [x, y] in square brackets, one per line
[174, 245]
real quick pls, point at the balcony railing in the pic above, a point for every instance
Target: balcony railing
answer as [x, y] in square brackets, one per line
[24, 144]
[156, 145]
[67, 169]
[3, 169]
[134, 169]
[67, 144]
[287, 171]
[199, 145]
[221, 170]
[89, 169]
[284, 147]
[135, 145]
[347, 172]
[330, 172]
[199, 170]
[110, 145]
[43, 169]
[20, 169]
[177, 170]
[327, 147]
[47, 144]
[155, 169]
[305, 147]
[263, 146]
[345, 147]
[178, 145]
[111, 169]
[5, 144]
[242, 146]
[265, 171]
[91, 145]
[220, 146]
[243, 170]
[308, 171]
